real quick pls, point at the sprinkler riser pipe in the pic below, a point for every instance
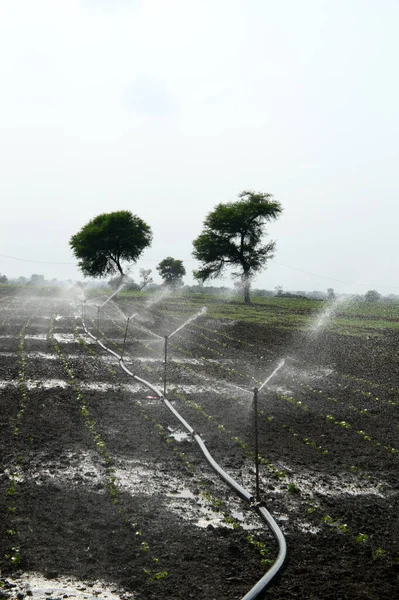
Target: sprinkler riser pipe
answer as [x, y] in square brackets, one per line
[124, 339]
[256, 444]
[260, 586]
[165, 365]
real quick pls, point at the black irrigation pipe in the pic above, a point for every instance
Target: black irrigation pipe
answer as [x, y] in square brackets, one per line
[261, 585]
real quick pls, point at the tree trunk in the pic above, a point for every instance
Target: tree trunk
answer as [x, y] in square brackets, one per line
[246, 285]
[119, 266]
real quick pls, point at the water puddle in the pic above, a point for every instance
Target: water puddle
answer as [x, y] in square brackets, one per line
[198, 388]
[47, 384]
[83, 468]
[187, 361]
[42, 355]
[306, 527]
[36, 586]
[65, 338]
[335, 486]
[179, 435]
[136, 477]
[184, 493]
[32, 384]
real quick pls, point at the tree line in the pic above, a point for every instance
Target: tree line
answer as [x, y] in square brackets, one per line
[232, 236]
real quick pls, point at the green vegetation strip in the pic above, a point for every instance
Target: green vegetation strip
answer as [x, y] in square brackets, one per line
[111, 484]
[13, 555]
[353, 318]
[345, 425]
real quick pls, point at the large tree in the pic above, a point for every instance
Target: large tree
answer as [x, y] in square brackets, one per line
[232, 236]
[172, 271]
[108, 241]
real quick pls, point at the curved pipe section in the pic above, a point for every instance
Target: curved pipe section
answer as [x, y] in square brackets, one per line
[260, 586]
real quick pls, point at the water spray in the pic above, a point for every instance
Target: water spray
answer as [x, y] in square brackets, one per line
[198, 314]
[112, 295]
[276, 370]
[256, 444]
[158, 298]
[165, 365]
[260, 586]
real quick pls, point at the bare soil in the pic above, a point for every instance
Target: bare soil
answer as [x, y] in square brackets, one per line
[98, 484]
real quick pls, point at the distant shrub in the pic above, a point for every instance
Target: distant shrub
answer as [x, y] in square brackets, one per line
[372, 296]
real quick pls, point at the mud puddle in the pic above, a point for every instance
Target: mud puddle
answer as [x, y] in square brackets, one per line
[83, 468]
[191, 504]
[37, 586]
[334, 485]
[47, 384]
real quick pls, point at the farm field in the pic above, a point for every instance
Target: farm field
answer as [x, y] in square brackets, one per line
[102, 493]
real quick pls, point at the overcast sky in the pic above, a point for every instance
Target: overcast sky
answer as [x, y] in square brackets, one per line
[168, 107]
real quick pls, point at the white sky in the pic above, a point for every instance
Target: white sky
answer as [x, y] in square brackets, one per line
[168, 107]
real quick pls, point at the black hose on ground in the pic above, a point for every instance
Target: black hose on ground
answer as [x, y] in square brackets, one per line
[261, 585]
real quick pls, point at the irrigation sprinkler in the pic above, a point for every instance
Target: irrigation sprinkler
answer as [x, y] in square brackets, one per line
[276, 370]
[98, 321]
[256, 444]
[114, 294]
[260, 586]
[124, 339]
[165, 365]
[83, 309]
[192, 318]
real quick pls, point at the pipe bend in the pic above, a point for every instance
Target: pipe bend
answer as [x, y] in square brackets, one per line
[261, 585]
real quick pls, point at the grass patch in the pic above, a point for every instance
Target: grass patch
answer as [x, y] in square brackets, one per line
[352, 318]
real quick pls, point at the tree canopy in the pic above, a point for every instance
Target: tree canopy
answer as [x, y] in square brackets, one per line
[372, 296]
[232, 236]
[172, 271]
[109, 240]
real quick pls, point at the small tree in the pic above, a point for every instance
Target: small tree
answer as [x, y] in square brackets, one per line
[330, 294]
[372, 296]
[172, 271]
[232, 236]
[108, 240]
[3, 278]
[36, 279]
[145, 278]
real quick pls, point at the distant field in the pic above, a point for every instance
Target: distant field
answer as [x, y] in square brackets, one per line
[348, 317]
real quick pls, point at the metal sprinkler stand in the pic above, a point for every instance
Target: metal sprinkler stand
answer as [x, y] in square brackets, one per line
[83, 309]
[124, 339]
[256, 444]
[98, 321]
[165, 363]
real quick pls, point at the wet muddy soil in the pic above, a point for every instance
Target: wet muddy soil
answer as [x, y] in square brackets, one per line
[102, 494]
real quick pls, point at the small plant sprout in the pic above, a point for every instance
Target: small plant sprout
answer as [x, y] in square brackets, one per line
[293, 489]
